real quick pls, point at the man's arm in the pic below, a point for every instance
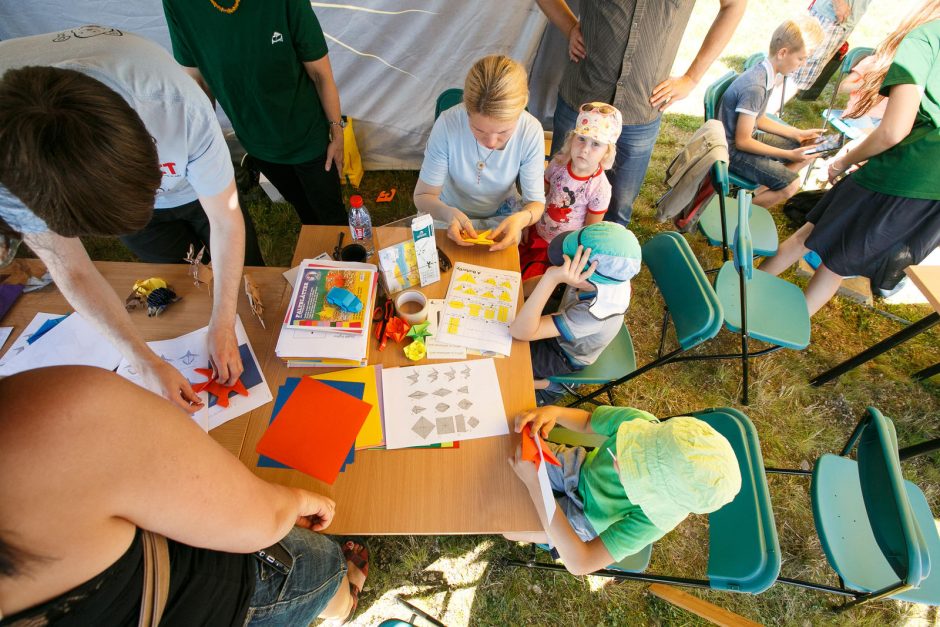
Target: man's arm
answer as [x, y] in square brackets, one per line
[227, 243]
[678, 87]
[201, 81]
[91, 296]
[559, 13]
[321, 74]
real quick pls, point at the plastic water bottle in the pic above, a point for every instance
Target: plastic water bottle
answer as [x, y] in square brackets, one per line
[360, 224]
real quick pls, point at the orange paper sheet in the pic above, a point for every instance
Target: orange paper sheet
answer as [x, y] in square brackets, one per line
[530, 449]
[315, 429]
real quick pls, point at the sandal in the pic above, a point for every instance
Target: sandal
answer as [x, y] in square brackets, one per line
[360, 559]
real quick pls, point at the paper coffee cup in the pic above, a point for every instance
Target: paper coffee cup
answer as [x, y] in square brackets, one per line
[412, 306]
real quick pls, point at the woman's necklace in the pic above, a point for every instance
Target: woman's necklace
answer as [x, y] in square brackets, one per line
[223, 9]
[481, 163]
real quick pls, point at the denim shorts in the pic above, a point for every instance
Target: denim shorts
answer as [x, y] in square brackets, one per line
[767, 171]
[300, 596]
[564, 480]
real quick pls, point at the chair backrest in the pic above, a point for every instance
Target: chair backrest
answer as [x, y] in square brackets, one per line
[720, 182]
[448, 98]
[689, 296]
[743, 548]
[741, 243]
[886, 500]
[852, 57]
[714, 92]
[753, 60]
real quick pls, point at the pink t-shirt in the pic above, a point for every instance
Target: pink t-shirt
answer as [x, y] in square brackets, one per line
[570, 198]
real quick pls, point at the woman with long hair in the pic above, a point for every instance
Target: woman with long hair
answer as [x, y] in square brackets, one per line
[892, 200]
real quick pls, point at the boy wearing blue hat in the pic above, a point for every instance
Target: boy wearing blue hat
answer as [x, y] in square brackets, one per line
[597, 263]
[645, 479]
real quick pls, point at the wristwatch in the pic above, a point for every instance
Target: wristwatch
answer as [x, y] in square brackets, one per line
[341, 123]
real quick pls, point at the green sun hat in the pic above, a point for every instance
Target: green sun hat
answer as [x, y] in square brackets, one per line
[676, 467]
[618, 256]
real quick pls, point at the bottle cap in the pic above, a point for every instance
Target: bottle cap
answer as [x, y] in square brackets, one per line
[355, 201]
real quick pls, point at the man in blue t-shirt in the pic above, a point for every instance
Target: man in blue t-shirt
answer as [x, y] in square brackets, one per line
[101, 133]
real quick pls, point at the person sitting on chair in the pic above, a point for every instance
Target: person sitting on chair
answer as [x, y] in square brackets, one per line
[597, 263]
[101, 469]
[773, 157]
[645, 479]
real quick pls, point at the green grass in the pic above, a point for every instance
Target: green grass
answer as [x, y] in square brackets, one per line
[461, 580]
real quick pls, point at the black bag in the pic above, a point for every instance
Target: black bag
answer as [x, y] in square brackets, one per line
[801, 204]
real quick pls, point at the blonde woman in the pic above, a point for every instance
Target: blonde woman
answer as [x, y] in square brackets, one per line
[893, 199]
[476, 152]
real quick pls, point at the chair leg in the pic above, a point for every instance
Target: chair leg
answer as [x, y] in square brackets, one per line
[742, 285]
[926, 373]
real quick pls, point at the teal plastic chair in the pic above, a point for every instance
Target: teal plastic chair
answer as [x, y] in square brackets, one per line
[743, 548]
[691, 304]
[713, 94]
[448, 98]
[851, 59]
[758, 305]
[716, 222]
[876, 529]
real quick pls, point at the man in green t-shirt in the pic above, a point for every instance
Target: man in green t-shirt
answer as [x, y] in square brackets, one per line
[637, 486]
[267, 64]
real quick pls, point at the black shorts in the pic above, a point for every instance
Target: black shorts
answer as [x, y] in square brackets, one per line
[549, 360]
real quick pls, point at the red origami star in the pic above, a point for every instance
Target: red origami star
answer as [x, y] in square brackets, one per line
[212, 386]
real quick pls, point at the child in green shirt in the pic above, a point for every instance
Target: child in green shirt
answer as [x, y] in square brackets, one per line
[637, 486]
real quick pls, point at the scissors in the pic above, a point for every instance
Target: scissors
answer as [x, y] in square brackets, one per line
[443, 260]
[337, 250]
[383, 312]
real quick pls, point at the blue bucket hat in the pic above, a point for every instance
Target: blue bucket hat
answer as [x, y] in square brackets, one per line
[617, 253]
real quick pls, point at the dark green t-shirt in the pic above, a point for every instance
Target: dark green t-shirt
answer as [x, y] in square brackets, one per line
[252, 60]
[909, 169]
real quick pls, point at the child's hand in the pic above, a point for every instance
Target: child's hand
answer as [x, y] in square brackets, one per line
[525, 470]
[809, 136]
[539, 419]
[798, 155]
[575, 270]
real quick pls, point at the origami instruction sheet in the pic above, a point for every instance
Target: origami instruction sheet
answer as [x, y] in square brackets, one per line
[479, 307]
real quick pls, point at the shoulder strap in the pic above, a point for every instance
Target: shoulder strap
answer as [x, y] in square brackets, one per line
[156, 579]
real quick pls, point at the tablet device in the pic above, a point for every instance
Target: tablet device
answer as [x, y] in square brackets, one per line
[827, 145]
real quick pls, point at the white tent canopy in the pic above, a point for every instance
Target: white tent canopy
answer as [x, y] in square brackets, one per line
[390, 58]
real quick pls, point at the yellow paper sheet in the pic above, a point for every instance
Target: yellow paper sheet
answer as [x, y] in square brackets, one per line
[371, 433]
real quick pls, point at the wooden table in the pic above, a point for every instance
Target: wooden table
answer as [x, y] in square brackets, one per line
[470, 489]
[927, 280]
[189, 314]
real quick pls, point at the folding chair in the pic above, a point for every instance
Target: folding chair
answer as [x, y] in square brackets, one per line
[876, 529]
[448, 98]
[852, 57]
[743, 549]
[758, 305]
[691, 304]
[716, 223]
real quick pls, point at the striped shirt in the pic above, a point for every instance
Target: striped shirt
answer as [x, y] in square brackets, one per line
[631, 46]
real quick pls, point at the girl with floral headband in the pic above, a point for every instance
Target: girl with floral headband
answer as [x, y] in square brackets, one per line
[577, 190]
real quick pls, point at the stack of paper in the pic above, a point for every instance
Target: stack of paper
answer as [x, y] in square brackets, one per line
[305, 437]
[51, 340]
[318, 332]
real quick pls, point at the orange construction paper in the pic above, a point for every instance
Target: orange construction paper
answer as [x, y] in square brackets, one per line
[315, 429]
[212, 386]
[530, 449]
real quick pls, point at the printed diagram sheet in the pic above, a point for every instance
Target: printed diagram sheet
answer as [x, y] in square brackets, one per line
[442, 403]
[190, 351]
[479, 307]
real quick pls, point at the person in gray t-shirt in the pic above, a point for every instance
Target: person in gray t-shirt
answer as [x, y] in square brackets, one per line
[597, 263]
[97, 128]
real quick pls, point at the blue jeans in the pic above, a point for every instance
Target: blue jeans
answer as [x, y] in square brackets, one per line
[634, 149]
[298, 597]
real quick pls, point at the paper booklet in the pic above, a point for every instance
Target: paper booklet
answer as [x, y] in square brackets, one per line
[479, 307]
[309, 307]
